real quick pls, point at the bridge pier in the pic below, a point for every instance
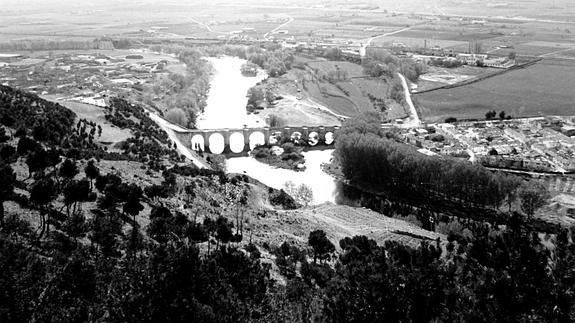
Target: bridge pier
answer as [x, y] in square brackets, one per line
[227, 149]
[267, 135]
[246, 133]
[321, 135]
[284, 132]
[305, 133]
[206, 136]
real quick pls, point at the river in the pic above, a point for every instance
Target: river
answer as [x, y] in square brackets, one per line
[226, 108]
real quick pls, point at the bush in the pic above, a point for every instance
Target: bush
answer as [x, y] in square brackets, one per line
[276, 121]
[177, 116]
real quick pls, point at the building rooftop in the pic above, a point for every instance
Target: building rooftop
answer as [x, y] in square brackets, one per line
[10, 55]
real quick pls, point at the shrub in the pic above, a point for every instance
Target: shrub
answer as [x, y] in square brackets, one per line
[177, 116]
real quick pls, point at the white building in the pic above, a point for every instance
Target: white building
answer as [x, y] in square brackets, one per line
[471, 59]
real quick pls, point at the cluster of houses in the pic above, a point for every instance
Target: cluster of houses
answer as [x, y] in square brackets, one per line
[532, 144]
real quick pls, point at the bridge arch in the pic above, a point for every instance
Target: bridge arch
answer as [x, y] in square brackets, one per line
[329, 138]
[217, 143]
[237, 142]
[313, 138]
[197, 143]
[256, 138]
[296, 136]
[224, 141]
[275, 137]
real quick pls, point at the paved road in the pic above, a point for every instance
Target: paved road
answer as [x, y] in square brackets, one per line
[363, 48]
[290, 19]
[207, 27]
[169, 128]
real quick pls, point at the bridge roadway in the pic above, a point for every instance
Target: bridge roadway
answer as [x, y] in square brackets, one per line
[241, 140]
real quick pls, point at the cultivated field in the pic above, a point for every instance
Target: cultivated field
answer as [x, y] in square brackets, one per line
[545, 88]
[437, 76]
[349, 96]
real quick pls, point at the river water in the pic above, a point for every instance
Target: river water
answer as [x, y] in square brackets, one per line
[226, 108]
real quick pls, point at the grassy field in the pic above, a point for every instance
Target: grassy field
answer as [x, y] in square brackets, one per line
[436, 76]
[110, 133]
[348, 97]
[545, 88]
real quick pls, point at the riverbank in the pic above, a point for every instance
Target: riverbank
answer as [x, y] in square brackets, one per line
[226, 102]
[287, 156]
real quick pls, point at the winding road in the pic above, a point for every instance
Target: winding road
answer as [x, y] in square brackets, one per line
[290, 19]
[363, 48]
[207, 27]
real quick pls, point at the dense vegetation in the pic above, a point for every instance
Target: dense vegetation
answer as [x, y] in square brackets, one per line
[82, 245]
[150, 144]
[369, 156]
[189, 92]
[186, 92]
[47, 121]
[291, 157]
[381, 63]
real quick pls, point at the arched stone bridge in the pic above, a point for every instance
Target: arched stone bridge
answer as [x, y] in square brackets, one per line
[237, 141]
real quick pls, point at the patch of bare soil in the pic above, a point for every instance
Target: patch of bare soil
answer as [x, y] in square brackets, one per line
[338, 222]
[296, 112]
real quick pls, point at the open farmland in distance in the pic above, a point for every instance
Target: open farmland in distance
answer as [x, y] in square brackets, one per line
[545, 88]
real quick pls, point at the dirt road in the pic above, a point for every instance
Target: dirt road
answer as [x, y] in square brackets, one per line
[414, 120]
[290, 19]
[363, 48]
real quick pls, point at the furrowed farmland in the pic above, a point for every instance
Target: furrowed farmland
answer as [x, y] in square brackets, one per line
[545, 88]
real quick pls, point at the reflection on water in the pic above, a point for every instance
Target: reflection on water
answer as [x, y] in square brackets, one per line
[226, 103]
[323, 185]
[226, 108]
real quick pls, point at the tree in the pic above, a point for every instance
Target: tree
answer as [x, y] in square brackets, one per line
[322, 247]
[532, 195]
[8, 179]
[490, 115]
[133, 206]
[333, 54]
[41, 194]
[26, 145]
[502, 115]
[255, 94]
[9, 122]
[37, 161]
[105, 227]
[276, 121]
[224, 231]
[512, 55]
[289, 187]
[509, 189]
[7, 154]
[76, 225]
[304, 194]
[3, 136]
[92, 171]
[76, 192]
[160, 227]
[177, 116]
[68, 170]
